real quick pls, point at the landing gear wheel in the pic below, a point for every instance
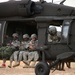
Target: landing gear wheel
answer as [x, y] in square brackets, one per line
[42, 68]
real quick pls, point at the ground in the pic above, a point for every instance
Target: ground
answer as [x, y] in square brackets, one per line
[30, 71]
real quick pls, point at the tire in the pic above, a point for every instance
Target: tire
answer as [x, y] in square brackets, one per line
[42, 68]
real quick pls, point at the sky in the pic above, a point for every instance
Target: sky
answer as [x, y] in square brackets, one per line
[67, 2]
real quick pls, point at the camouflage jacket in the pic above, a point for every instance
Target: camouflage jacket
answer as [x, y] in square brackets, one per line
[24, 45]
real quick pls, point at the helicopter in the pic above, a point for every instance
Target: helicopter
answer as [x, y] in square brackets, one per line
[27, 16]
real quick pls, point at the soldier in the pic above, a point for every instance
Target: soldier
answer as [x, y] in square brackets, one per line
[23, 49]
[33, 54]
[15, 44]
[54, 36]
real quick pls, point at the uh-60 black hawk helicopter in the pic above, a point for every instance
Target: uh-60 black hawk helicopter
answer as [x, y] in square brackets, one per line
[30, 17]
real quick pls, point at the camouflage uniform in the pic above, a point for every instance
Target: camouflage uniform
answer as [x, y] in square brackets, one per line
[15, 46]
[54, 36]
[32, 55]
[23, 49]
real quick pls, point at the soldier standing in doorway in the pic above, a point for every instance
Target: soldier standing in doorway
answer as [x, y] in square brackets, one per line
[54, 36]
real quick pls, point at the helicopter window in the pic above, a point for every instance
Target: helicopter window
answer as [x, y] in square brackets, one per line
[54, 33]
[65, 31]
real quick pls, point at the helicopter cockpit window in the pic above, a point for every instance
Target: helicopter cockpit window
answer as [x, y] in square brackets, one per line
[54, 34]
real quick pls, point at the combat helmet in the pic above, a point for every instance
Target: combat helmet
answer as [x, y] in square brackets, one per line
[15, 35]
[33, 36]
[25, 36]
[52, 30]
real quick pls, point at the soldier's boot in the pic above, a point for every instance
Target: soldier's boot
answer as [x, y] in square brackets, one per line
[26, 64]
[32, 64]
[10, 65]
[16, 64]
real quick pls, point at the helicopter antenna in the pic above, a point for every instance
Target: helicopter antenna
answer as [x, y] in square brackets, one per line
[52, 1]
[62, 1]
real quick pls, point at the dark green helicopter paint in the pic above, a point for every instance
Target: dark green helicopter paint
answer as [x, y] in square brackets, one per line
[30, 17]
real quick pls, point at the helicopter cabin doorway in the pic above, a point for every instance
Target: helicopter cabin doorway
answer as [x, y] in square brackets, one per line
[20, 27]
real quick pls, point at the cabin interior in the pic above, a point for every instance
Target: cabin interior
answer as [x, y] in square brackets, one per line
[21, 27]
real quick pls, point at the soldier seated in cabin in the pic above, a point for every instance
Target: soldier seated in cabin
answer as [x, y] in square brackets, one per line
[15, 44]
[29, 52]
[33, 54]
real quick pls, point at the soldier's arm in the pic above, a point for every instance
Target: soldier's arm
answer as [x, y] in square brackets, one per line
[31, 46]
[49, 38]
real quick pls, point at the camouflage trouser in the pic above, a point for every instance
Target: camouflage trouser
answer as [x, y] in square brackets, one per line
[28, 56]
[34, 55]
[14, 56]
[20, 56]
[23, 54]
